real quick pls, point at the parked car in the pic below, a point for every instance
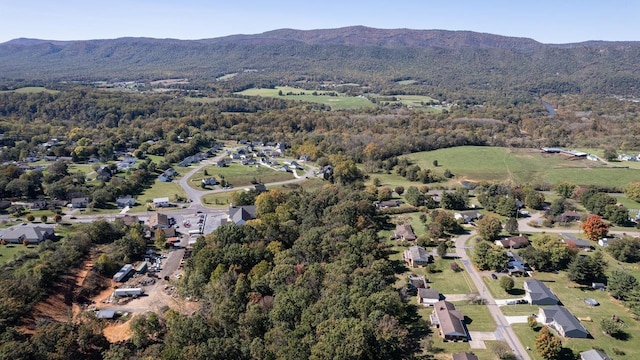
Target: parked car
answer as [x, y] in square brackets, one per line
[494, 276]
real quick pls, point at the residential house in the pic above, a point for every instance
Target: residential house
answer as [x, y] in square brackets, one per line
[305, 157]
[428, 297]
[568, 216]
[563, 321]
[593, 354]
[104, 173]
[209, 181]
[125, 201]
[221, 163]
[241, 214]
[129, 220]
[514, 242]
[404, 232]
[167, 175]
[158, 220]
[38, 205]
[388, 204]
[79, 202]
[464, 356]
[417, 256]
[260, 188]
[467, 216]
[579, 243]
[418, 282]
[161, 202]
[537, 293]
[449, 321]
[33, 234]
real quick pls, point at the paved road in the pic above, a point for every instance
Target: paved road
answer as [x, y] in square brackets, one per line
[523, 226]
[504, 331]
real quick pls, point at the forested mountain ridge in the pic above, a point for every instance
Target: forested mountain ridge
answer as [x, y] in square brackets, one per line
[449, 60]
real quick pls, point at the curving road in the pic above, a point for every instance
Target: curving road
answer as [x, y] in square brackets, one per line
[503, 331]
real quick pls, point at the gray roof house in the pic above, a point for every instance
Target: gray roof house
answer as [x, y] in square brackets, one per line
[125, 201]
[537, 293]
[34, 234]
[593, 355]
[241, 214]
[78, 203]
[417, 256]
[449, 321]
[568, 238]
[563, 321]
[428, 296]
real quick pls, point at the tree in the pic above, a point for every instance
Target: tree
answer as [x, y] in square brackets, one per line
[625, 249]
[620, 284]
[547, 345]
[594, 227]
[506, 283]
[414, 196]
[489, 227]
[44, 219]
[511, 226]
[610, 154]
[442, 249]
[435, 163]
[610, 327]
[565, 189]
[399, 190]
[632, 191]
[57, 218]
[587, 269]
[480, 254]
[534, 199]
[30, 217]
[160, 238]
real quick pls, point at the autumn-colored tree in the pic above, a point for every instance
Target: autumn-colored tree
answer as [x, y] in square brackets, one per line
[548, 346]
[57, 218]
[632, 191]
[489, 227]
[3, 242]
[30, 217]
[594, 227]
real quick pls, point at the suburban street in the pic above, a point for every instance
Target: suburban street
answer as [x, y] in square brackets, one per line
[503, 330]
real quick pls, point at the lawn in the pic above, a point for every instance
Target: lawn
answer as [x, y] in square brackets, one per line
[159, 189]
[447, 281]
[339, 102]
[240, 175]
[477, 163]
[499, 293]
[8, 251]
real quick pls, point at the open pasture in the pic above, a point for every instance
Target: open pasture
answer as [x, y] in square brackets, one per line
[339, 102]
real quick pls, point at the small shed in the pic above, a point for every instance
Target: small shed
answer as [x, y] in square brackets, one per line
[598, 286]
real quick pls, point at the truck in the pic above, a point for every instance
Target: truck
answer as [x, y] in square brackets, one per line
[124, 292]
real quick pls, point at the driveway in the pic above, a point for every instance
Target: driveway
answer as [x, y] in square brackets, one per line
[517, 319]
[478, 338]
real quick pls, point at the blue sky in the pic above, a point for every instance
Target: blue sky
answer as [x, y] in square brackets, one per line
[559, 21]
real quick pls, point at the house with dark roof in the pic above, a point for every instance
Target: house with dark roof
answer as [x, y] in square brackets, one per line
[417, 256]
[568, 216]
[241, 214]
[129, 219]
[418, 282]
[514, 242]
[581, 244]
[449, 321]
[563, 321]
[404, 232]
[428, 297]
[593, 354]
[537, 293]
[33, 234]
[388, 204]
[80, 202]
[464, 356]
[125, 201]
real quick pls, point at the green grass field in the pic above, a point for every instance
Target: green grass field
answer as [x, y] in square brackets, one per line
[159, 189]
[477, 163]
[8, 251]
[240, 175]
[340, 102]
[32, 89]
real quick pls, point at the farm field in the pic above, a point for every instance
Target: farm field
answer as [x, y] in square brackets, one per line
[340, 102]
[477, 163]
[31, 89]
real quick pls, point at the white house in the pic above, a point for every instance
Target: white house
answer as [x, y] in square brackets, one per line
[161, 202]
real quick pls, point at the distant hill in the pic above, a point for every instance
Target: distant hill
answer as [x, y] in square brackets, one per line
[434, 58]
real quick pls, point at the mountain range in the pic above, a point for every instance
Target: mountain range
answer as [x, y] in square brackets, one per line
[434, 58]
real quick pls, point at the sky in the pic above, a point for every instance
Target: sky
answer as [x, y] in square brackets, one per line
[551, 22]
